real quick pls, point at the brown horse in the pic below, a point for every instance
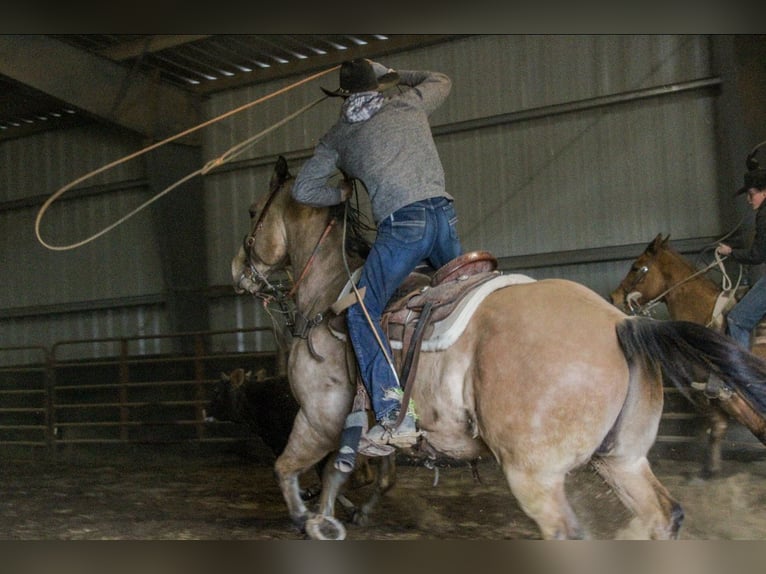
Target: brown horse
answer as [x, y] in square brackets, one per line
[662, 274]
[546, 375]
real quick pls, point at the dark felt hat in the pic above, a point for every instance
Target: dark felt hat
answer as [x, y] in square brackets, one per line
[754, 178]
[359, 76]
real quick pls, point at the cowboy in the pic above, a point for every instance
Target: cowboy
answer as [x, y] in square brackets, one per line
[746, 314]
[383, 139]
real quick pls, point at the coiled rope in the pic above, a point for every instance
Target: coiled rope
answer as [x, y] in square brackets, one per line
[209, 166]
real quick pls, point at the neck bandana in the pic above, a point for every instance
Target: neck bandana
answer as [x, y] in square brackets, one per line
[362, 106]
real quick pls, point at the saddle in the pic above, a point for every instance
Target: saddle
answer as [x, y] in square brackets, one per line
[421, 301]
[434, 307]
[424, 301]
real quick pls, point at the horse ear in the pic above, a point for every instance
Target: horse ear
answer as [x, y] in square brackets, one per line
[655, 244]
[665, 241]
[225, 377]
[280, 175]
[280, 170]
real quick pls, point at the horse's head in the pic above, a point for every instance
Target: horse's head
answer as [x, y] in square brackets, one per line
[264, 248]
[286, 233]
[644, 280]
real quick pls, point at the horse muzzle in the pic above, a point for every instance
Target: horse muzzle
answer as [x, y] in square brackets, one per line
[631, 303]
[242, 274]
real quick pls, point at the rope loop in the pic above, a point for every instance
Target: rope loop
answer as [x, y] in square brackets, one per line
[209, 166]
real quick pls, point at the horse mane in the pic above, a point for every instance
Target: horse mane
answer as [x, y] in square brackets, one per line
[358, 227]
[692, 267]
[681, 259]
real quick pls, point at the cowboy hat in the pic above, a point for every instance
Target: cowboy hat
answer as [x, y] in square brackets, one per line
[754, 178]
[359, 76]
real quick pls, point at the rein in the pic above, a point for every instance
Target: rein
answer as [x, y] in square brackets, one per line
[313, 255]
[299, 325]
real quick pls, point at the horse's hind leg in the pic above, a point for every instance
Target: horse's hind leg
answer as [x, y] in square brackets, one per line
[543, 498]
[382, 477]
[717, 431]
[639, 490]
[384, 481]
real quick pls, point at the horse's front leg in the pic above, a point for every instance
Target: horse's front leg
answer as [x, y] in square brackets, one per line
[304, 449]
[290, 487]
[324, 525]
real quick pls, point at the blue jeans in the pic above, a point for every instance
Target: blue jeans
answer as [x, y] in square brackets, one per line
[746, 314]
[422, 231]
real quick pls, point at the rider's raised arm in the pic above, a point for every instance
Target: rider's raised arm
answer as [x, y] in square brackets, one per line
[312, 185]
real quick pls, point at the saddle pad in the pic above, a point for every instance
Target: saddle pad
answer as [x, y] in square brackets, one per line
[449, 329]
[723, 304]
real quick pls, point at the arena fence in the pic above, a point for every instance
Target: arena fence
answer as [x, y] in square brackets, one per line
[154, 390]
[120, 394]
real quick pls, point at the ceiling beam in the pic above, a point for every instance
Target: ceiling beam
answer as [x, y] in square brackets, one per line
[394, 43]
[148, 45]
[98, 87]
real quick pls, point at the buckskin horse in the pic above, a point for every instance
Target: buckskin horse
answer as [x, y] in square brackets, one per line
[546, 376]
[662, 274]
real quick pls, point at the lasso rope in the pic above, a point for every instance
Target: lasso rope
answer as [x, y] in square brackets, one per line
[224, 158]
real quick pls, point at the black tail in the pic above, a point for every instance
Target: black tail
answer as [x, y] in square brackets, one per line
[687, 352]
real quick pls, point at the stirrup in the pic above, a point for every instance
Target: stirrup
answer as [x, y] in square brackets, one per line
[369, 448]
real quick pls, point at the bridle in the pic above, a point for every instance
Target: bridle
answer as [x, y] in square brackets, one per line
[250, 272]
[641, 273]
[298, 324]
[631, 294]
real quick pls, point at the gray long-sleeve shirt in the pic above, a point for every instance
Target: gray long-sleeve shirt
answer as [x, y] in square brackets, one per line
[392, 153]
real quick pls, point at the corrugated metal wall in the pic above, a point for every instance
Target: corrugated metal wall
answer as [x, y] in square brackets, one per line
[109, 287]
[612, 174]
[584, 177]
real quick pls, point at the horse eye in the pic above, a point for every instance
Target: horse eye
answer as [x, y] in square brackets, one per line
[252, 213]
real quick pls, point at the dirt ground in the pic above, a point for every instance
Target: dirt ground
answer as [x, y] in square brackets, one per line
[153, 495]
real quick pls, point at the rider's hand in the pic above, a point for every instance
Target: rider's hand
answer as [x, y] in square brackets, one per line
[346, 189]
[723, 249]
[379, 69]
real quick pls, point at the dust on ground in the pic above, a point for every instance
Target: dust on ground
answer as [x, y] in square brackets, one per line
[152, 495]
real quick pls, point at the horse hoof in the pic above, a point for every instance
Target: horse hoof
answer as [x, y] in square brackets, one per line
[360, 518]
[697, 480]
[704, 475]
[321, 527]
